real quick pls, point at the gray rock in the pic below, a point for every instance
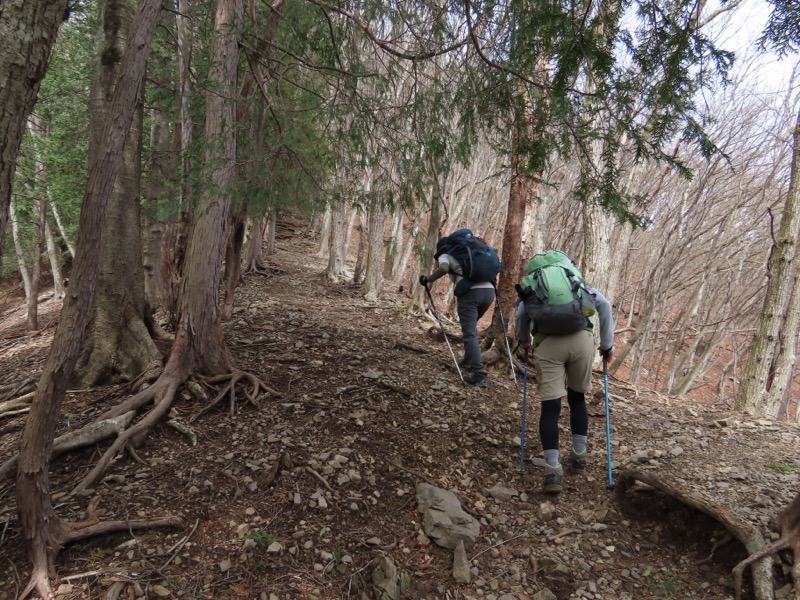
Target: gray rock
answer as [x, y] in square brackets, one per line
[544, 594]
[504, 494]
[444, 521]
[387, 582]
[461, 572]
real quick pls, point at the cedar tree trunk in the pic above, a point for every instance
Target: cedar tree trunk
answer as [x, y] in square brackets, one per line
[199, 325]
[44, 532]
[27, 33]
[118, 344]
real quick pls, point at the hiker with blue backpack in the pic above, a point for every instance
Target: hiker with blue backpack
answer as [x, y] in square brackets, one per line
[554, 318]
[473, 266]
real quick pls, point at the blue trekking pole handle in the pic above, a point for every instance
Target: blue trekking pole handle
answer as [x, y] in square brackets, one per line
[524, 401]
[608, 422]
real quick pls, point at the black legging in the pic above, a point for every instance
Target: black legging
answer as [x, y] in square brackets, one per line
[551, 411]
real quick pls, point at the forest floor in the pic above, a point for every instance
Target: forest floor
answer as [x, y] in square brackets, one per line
[370, 407]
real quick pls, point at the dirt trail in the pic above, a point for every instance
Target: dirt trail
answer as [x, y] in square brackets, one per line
[297, 499]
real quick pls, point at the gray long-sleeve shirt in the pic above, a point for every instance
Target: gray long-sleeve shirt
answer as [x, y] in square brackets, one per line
[593, 298]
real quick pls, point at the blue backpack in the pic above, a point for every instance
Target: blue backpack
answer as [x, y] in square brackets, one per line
[479, 262]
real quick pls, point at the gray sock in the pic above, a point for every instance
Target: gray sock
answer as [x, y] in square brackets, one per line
[579, 443]
[551, 457]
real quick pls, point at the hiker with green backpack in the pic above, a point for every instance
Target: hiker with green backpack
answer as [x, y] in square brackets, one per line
[554, 318]
[473, 266]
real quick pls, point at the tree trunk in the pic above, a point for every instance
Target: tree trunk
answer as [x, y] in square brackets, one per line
[32, 320]
[118, 344]
[254, 244]
[26, 39]
[325, 233]
[62, 232]
[162, 178]
[426, 250]
[519, 193]
[38, 130]
[200, 342]
[55, 265]
[373, 275]
[337, 243]
[176, 231]
[21, 265]
[269, 227]
[361, 253]
[44, 532]
[394, 249]
[400, 270]
[233, 258]
[771, 360]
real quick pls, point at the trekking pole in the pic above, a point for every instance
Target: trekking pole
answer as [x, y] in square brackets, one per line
[524, 400]
[505, 337]
[608, 422]
[438, 318]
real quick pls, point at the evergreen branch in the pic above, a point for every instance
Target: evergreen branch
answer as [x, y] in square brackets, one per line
[384, 44]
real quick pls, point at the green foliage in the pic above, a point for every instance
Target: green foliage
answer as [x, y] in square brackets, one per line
[261, 538]
[52, 163]
[784, 468]
[782, 32]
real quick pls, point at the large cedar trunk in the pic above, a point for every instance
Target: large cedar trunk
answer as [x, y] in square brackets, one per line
[118, 346]
[199, 325]
[26, 39]
[43, 531]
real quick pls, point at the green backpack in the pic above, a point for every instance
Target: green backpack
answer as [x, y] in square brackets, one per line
[554, 295]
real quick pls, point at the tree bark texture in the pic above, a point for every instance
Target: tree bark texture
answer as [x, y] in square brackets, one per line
[373, 275]
[199, 323]
[233, 257]
[24, 274]
[768, 372]
[38, 130]
[163, 176]
[32, 319]
[43, 530]
[428, 246]
[27, 34]
[118, 344]
[337, 243]
[520, 191]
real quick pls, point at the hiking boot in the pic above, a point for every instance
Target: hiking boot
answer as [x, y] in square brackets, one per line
[476, 379]
[577, 462]
[553, 476]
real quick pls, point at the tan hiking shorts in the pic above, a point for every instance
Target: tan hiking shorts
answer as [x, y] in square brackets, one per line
[564, 361]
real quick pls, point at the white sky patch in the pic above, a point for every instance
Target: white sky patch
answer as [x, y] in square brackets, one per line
[738, 31]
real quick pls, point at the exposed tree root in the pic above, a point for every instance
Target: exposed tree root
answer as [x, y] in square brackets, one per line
[12, 391]
[142, 427]
[80, 438]
[16, 406]
[748, 535]
[787, 523]
[91, 526]
[256, 386]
